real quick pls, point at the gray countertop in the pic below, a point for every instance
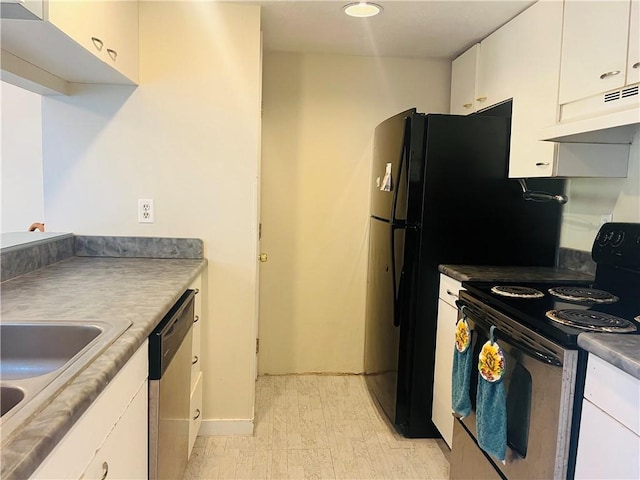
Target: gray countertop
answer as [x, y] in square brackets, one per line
[620, 350]
[141, 290]
[464, 273]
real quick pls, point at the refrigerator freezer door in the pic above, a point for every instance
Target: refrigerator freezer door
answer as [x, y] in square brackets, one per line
[381, 334]
[388, 149]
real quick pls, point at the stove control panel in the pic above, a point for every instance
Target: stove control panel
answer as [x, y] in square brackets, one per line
[617, 244]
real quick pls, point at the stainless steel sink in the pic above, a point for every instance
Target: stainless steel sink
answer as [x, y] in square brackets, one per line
[10, 397]
[38, 358]
[32, 350]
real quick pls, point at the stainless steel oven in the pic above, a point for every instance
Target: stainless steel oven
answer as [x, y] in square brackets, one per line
[537, 325]
[539, 381]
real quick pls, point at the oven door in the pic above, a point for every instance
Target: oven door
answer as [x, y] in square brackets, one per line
[539, 383]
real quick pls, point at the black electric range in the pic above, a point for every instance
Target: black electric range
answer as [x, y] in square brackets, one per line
[562, 310]
[548, 370]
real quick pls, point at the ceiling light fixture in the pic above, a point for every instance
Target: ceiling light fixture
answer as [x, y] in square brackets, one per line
[362, 9]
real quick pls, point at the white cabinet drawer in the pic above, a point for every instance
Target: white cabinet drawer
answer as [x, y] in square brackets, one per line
[196, 411]
[196, 359]
[614, 391]
[449, 289]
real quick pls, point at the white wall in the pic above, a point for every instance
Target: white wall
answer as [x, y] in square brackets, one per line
[21, 162]
[187, 137]
[590, 198]
[320, 112]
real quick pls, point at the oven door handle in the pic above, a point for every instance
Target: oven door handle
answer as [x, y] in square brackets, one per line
[538, 355]
[547, 357]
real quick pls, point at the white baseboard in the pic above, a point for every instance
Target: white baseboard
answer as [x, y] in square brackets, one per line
[225, 427]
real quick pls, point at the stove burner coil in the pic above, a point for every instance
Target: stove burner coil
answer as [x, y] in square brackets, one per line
[516, 291]
[583, 294]
[590, 320]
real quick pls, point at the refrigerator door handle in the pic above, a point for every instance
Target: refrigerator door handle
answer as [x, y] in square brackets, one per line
[403, 154]
[396, 314]
[397, 224]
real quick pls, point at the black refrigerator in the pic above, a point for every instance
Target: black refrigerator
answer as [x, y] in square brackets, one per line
[440, 195]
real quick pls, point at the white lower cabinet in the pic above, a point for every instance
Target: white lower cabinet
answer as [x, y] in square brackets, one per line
[609, 441]
[441, 413]
[113, 430]
[196, 411]
[117, 458]
[196, 361]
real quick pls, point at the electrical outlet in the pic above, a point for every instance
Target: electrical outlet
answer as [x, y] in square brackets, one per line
[606, 218]
[145, 210]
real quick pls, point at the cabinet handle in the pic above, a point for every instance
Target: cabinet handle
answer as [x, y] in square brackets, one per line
[636, 65]
[105, 470]
[196, 291]
[195, 319]
[195, 360]
[609, 74]
[481, 99]
[98, 43]
[451, 293]
[112, 53]
[467, 105]
[542, 164]
[197, 414]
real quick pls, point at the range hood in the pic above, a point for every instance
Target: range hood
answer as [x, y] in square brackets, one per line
[618, 127]
[610, 118]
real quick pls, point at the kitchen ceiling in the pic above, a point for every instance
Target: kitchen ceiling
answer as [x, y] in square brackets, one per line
[416, 29]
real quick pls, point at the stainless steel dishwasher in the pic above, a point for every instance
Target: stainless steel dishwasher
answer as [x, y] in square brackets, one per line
[169, 389]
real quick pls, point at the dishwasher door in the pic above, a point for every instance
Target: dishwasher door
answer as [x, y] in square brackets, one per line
[169, 404]
[170, 346]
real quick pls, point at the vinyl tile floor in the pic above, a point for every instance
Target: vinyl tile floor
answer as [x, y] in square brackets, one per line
[317, 427]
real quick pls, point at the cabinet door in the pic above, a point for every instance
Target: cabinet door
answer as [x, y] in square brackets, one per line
[121, 37]
[195, 403]
[464, 70]
[494, 77]
[633, 58]
[594, 48]
[124, 452]
[73, 454]
[606, 448]
[107, 29]
[82, 21]
[445, 334]
[531, 61]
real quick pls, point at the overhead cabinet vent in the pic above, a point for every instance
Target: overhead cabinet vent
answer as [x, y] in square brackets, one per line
[624, 93]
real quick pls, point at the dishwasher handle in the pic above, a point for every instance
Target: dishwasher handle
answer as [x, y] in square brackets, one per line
[168, 336]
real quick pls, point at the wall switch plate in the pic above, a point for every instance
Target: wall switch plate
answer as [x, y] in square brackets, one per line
[145, 210]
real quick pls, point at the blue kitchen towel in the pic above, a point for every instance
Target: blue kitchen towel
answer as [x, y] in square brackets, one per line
[491, 400]
[462, 365]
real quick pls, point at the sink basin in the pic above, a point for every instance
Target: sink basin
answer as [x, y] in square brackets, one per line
[9, 398]
[37, 359]
[31, 350]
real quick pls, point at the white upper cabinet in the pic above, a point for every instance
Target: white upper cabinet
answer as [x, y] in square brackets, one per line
[495, 72]
[534, 61]
[633, 57]
[464, 70]
[77, 42]
[594, 48]
[107, 29]
[520, 61]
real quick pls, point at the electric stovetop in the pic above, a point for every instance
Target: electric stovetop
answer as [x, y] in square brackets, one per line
[532, 304]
